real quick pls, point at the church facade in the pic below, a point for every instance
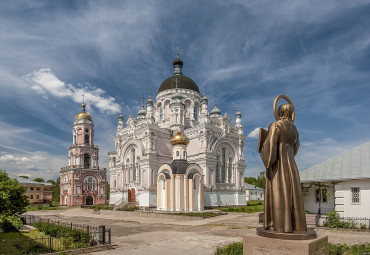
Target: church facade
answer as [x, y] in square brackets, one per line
[143, 146]
[82, 182]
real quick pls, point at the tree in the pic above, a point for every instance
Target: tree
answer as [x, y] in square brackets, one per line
[259, 182]
[56, 189]
[108, 191]
[39, 180]
[12, 196]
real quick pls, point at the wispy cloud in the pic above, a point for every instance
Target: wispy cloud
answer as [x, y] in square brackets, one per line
[254, 134]
[45, 82]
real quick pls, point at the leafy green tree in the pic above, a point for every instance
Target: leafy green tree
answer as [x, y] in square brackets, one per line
[108, 191]
[259, 182]
[12, 196]
[56, 189]
[39, 180]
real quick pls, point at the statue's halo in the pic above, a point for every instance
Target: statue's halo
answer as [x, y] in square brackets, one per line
[275, 104]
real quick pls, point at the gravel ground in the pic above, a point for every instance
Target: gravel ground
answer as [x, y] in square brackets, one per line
[144, 235]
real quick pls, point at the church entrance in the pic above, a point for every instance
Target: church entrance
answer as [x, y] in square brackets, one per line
[131, 195]
[89, 200]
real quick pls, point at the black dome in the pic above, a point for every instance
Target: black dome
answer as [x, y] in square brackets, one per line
[184, 82]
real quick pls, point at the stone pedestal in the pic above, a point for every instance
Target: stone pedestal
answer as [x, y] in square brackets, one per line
[258, 245]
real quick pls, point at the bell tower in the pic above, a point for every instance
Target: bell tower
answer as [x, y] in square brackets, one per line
[82, 182]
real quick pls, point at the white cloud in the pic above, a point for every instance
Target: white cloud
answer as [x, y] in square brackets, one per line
[254, 134]
[14, 158]
[45, 82]
[35, 164]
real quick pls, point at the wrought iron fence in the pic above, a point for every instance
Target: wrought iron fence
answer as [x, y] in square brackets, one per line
[99, 234]
[350, 222]
[39, 245]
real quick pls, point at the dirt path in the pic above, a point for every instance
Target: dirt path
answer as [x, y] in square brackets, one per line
[144, 235]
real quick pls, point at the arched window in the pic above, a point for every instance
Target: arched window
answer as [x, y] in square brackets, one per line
[196, 112]
[114, 161]
[217, 169]
[31, 196]
[177, 154]
[38, 197]
[223, 165]
[87, 139]
[86, 160]
[230, 170]
[184, 155]
[161, 113]
[89, 183]
[133, 158]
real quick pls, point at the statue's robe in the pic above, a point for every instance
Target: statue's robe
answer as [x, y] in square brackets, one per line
[284, 209]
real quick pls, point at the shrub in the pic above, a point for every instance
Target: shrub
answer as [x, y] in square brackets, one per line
[35, 248]
[254, 202]
[76, 235]
[11, 223]
[101, 207]
[230, 249]
[333, 221]
[132, 208]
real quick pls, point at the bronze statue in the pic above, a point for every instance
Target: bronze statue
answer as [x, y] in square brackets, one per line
[284, 209]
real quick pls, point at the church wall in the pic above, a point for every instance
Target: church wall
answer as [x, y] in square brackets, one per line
[224, 198]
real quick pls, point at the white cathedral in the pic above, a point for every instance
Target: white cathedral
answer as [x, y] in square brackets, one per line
[143, 146]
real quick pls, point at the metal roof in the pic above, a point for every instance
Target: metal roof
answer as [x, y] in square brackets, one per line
[22, 180]
[250, 186]
[350, 165]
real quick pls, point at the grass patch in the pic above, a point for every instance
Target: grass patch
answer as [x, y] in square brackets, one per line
[128, 209]
[196, 214]
[255, 202]
[243, 209]
[44, 208]
[23, 243]
[333, 249]
[230, 249]
[252, 207]
[100, 207]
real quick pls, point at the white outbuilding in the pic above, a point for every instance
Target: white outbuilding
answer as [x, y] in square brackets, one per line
[253, 192]
[341, 184]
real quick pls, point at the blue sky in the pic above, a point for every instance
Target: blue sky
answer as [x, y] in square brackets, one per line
[245, 53]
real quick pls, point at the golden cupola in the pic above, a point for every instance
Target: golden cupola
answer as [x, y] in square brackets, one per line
[83, 115]
[179, 138]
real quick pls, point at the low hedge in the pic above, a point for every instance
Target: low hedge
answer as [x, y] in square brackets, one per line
[74, 235]
[11, 223]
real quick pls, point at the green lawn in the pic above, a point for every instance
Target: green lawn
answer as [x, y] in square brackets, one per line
[22, 243]
[200, 214]
[252, 207]
[41, 208]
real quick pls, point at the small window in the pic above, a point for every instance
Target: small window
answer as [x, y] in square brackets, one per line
[177, 154]
[38, 197]
[31, 196]
[37, 188]
[184, 154]
[87, 139]
[321, 195]
[31, 188]
[355, 195]
[86, 130]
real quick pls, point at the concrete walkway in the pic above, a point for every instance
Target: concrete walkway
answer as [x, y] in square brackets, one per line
[144, 235]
